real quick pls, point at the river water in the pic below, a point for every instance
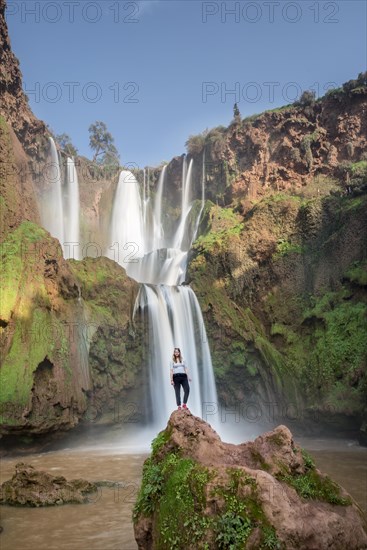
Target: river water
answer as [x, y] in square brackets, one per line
[105, 522]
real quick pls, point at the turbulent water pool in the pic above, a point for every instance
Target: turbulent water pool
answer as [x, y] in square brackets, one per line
[105, 522]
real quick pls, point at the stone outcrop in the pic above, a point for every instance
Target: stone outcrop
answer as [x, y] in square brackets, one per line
[198, 492]
[31, 487]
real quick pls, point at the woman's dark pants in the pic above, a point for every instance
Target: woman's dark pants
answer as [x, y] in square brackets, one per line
[178, 381]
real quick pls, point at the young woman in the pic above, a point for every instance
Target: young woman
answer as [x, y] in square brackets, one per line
[178, 371]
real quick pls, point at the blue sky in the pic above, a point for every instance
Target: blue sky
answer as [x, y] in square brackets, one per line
[157, 71]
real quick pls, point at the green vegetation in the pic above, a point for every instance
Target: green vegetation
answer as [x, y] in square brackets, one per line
[223, 224]
[357, 273]
[102, 143]
[283, 109]
[242, 512]
[311, 485]
[174, 488]
[270, 540]
[349, 88]
[160, 441]
[216, 140]
[18, 251]
[181, 520]
[324, 347]
[359, 168]
[105, 288]
[195, 143]
[285, 247]
[31, 328]
[308, 98]
[315, 345]
[64, 141]
[339, 342]
[176, 491]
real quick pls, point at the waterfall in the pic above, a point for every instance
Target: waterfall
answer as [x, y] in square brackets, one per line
[127, 228]
[59, 205]
[158, 228]
[71, 208]
[172, 311]
[51, 201]
[174, 319]
[186, 207]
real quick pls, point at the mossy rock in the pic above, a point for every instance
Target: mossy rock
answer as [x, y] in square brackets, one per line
[198, 492]
[41, 374]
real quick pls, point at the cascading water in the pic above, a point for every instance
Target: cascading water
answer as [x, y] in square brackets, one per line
[172, 311]
[158, 228]
[127, 230]
[178, 241]
[59, 205]
[51, 202]
[71, 209]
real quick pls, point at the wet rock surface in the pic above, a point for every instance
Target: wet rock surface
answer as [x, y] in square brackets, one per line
[31, 487]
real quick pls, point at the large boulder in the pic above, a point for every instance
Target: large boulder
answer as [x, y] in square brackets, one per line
[199, 492]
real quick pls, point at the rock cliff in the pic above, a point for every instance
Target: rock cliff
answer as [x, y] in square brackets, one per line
[14, 103]
[284, 150]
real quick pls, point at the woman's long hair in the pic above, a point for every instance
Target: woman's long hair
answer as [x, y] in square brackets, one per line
[177, 359]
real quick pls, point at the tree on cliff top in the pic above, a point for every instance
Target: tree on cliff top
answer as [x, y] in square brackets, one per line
[101, 142]
[65, 143]
[307, 98]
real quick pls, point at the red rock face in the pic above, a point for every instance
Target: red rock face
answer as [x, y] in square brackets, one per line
[13, 102]
[285, 150]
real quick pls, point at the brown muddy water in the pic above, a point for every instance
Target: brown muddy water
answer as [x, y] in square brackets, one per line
[105, 522]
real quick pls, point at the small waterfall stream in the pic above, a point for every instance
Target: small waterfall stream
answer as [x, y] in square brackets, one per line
[51, 201]
[72, 208]
[59, 205]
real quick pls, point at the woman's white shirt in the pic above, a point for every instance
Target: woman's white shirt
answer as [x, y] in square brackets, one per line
[178, 368]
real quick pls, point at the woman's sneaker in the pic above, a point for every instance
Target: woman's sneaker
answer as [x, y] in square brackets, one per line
[179, 408]
[184, 406]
